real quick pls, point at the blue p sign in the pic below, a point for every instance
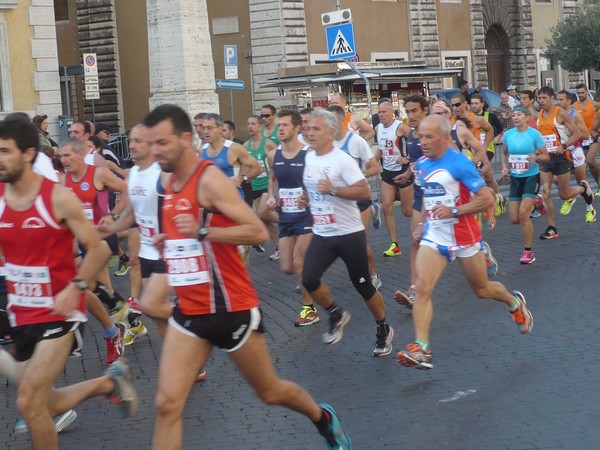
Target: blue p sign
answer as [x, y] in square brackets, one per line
[230, 55]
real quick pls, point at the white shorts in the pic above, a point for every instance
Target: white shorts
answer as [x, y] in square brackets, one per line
[578, 157]
[451, 252]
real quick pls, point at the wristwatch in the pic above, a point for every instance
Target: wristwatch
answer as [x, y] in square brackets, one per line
[245, 178]
[202, 233]
[564, 146]
[333, 190]
[454, 212]
[80, 284]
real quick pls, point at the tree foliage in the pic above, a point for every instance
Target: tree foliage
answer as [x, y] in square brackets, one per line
[575, 42]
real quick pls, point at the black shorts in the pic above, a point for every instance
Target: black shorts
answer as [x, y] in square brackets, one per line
[524, 187]
[387, 176]
[26, 337]
[246, 191]
[490, 155]
[558, 165]
[150, 266]
[363, 205]
[228, 331]
[5, 328]
[256, 194]
[288, 229]
[113, 244]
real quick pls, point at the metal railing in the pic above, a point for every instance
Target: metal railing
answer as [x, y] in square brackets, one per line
[120, 145]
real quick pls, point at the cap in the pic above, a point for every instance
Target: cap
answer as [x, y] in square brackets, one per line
[102, 127]
[511, 86]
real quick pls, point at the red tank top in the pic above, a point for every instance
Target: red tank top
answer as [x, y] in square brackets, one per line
[39, 262]
[208, 277]
[95, 202]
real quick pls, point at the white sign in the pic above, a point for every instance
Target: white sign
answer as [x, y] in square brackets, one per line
[225, 25]
[92, 95]
[91, 80]
[230, 59]
[231, 72]
[92, 88]
[90, 64]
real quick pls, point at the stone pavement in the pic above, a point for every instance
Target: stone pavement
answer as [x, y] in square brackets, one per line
[491, 388]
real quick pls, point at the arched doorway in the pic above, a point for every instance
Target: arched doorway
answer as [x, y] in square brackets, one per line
[496, 44]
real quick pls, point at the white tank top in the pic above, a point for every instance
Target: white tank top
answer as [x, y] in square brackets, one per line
[386, 139]
[144, 201]
[89, 158]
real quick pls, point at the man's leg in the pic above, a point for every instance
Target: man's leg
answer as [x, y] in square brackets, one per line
[181, 359]
[475, 271]
[546, 179]
[565, 191]
[388, 195]
[268, 216]
[135, 271]
[317, 260]
[155, 300]
[301, 244]
[406, 200]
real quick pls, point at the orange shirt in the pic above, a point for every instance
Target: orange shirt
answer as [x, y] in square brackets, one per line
[547, 127]
[588, 112]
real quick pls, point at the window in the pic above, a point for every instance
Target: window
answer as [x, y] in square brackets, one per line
[61, 9]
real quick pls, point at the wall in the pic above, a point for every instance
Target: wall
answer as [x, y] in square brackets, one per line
[454, 25]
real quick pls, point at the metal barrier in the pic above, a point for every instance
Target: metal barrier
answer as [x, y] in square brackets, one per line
[120, 145]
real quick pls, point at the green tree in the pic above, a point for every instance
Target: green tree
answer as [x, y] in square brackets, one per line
[575, 42]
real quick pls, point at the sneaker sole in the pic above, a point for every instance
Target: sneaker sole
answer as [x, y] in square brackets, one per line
[547, 238]
[407, 361]
[388, 255]
[122, 274]
[67, 419]
[306, 324]
[402, 299]
[527, 262]
[343, 322]
[384, 353]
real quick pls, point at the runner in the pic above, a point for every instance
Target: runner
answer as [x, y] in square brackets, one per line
[305, 114]
[550, 120]
[217, 304]
[523, 149]
[588, 108]
[334, 183]
[268, 115]
[352, 122]
[448, 180]
[295, 224]
[391, 139]
[47, 312]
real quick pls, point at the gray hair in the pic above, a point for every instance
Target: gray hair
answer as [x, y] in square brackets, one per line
[74, 143]
[216, 117]
[331, 120]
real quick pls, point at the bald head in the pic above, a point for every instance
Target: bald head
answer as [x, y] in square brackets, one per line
[338, 99]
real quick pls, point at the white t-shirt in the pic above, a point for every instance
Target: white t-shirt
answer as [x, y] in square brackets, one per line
[332, 216]
[357, 147]
[302, 140]
[43, 166]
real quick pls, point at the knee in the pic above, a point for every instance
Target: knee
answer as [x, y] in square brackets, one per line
[481, 291]
[522, 217]
[388, 207]
[407, 209]
[167, 405]
[298, 265]
[27, 400]
[310, 284]
[286, 268]
[273, 395]
[516, 219]
[563, 195]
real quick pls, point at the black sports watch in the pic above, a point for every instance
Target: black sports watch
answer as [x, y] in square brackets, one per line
[80, 284]
[454, 212]
[202, 233]
[564, 146]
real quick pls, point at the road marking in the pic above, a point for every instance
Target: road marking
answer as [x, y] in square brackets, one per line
[458, 395]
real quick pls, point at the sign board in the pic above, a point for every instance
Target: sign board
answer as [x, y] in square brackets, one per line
[90, 64]
[225, 25]
[231, 62]
[340, 41]
[92, 87]
[91, 80]
[92, 95]
[231, 72]
[230, 84]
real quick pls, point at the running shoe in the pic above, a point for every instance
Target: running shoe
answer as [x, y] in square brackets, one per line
[123, 269]
[134, 332]
[500, 206]
[134, 306]
[123, 394]
[527, 257]
[376, 281]
[383, 344]
[336, 328]
[297, 289]
[259, 248]
[567, 206]
[115, 346]
[490, 216]
[61, 422]
[376, 215]
[275, 255]
[550, 233]
[590, 216]
[406, 298]
[201, 376]
[522, 317]
[307, 316]
[539, 204]
[598, 192]
[394, 250]
[112, 261]
[587, 194]
[336, 437]
[491, 263]
[119, 313]
[415, 356]
[535, 214]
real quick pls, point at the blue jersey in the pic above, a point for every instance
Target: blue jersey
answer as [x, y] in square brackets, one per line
[221, 159]
[520, 145]
[289, 174]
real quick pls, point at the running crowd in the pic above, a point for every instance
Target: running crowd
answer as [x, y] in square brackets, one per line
[198, 200]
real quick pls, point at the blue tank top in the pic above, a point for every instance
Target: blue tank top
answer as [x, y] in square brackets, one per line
[220, 159]
[289, 178]
[413, 146]
[455, 138]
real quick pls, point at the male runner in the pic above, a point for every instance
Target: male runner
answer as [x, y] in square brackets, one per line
[80, 129]
[295, 224]
[334, 183]
[453, 192]
[352, 122]
[199, 138]
[46, 301]
[391, 139]
[204, 219]
[550, 119]
[229, 132]
[305, 114]
[268, 114]
[589, 110]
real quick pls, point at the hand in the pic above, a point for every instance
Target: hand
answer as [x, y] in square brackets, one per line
[236, 181]
[560, 150]
[402, 160]
[271, 202]
[67, 300]
[186, 224]
[324, 185]
[303, 200]
[531, 158]
[403, 177]
[158, 240]
[504, 171]
[441, 212]
[106, 220]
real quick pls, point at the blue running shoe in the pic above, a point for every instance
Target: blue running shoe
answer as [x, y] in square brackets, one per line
[335, 436]
[61, 422]
[376, 215]
[123, 394]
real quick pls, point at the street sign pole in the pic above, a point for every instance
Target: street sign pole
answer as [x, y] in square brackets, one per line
[231, 102]
[93, 111]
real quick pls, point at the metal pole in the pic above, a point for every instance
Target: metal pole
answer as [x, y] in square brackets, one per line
[93, 112]
[337, 4]
[67, 91]
[367, 86]
[231, 102]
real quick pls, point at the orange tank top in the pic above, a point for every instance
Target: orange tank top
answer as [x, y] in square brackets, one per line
[474, 129]
[546, 126]
[588, 112]
[208, 277]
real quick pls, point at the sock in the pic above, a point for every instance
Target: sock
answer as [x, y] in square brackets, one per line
[111, 332]
[514, 306]
[382, 327]
[589, 207]
[323, 423]
[424, 344]
[335, 312]
[133, 322]
[124, 259]
[312, 307]
[527, 249]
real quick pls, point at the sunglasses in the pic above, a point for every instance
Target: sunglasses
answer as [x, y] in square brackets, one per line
[457, 105]
[266, 116]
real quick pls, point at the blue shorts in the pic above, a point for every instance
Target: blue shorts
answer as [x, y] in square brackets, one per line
[288, 229]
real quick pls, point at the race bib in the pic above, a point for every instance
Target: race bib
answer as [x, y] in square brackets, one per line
[288, 200]
[578, 156]
[431, 202]
[482, 137]
[518, 163]
[186, 262]
[148, 228]
[551, 142]
[323, 217]
[28, 286]
[88, 211]
[388, 149]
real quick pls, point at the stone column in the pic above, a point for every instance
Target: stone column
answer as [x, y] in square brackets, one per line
[478, 43]
[180, 56]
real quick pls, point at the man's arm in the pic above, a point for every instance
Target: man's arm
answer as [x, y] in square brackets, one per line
[469, 140]
[110, 181]
[487, 128]
[576, 135]
[579, 123]
[481, 200]
[364, 129]
[251, 167]
[273, 183]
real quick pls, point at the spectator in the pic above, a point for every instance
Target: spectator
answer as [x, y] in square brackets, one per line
[514, 99]
[41, 123]
[229, 132]
[103, 133]
[504, 111]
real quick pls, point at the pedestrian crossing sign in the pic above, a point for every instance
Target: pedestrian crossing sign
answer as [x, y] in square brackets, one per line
[340, 41]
